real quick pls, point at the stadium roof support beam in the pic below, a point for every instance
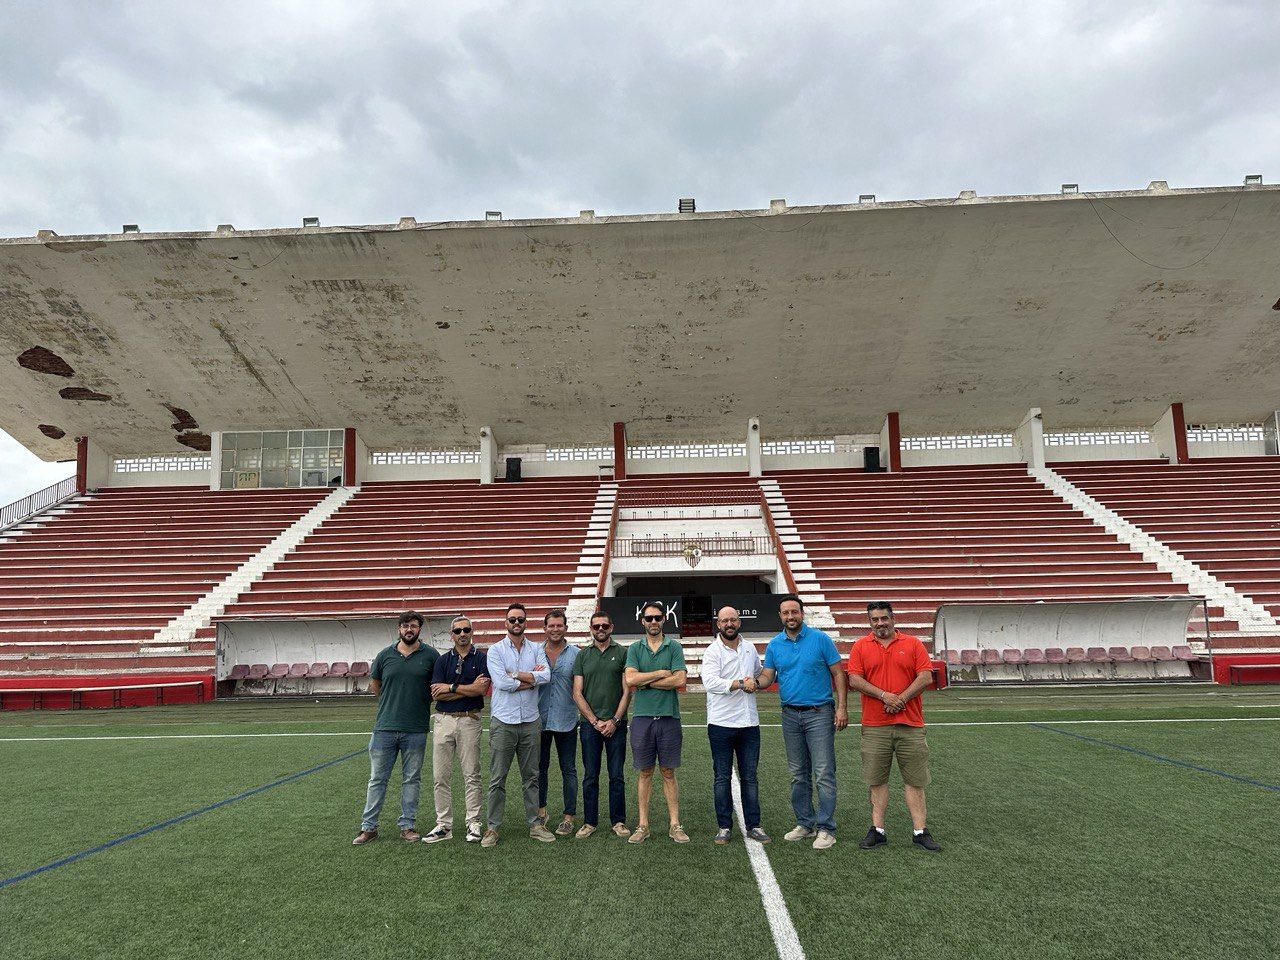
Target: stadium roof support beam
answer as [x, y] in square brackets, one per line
[92, 465]
[1169, 434]
[754, 448]
[488, 454]
[619, 450]
[891, 443]
[355, 458]
[1028, 436]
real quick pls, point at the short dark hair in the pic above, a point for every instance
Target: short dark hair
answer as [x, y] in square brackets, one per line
[600, 613]
[410, 615]
[653, 603]
[517, 605]
[546, 618]
[790, 596]
[880, 605]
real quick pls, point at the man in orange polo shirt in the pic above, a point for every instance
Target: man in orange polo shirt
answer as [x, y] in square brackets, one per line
[890, 670]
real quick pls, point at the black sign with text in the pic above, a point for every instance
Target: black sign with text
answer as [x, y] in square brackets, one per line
[625, 612]
[759, 611]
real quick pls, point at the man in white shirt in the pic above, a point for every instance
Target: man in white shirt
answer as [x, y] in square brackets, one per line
[729, 670]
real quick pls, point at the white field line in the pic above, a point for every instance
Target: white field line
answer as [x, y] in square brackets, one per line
[785, 938]
[690, 726]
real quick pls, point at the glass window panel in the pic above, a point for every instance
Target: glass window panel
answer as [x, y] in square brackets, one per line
[273, 478]
[275, 459]
[335, 457]
[295, 438]
[274, 440]
[314, 478]
[336, 438]
[295, 460]
[228, 479]
[313, 458]
[228, 459]
[315, 438]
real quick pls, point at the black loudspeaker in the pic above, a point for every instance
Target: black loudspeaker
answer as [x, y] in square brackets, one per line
[871, 459]
[513, 469]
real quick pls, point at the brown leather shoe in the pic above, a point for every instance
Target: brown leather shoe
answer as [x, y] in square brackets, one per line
[363, 837]
[411, 835]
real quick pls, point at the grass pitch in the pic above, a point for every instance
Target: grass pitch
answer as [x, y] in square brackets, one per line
[1062, 839]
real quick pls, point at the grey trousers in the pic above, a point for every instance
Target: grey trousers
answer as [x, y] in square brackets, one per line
[507, 741]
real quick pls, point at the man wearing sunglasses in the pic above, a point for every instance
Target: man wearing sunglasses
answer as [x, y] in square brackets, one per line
[655, 670]
[459, 682]
[517, 667]
[602, 700]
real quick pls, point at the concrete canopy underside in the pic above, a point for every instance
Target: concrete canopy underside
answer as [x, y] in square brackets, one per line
[1098, 308]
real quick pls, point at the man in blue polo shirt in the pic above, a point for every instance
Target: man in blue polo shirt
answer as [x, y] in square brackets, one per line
[812, 687]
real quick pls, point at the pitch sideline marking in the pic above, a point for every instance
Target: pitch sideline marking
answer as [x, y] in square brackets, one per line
[785, 938]
[173, 821]
[690, 726]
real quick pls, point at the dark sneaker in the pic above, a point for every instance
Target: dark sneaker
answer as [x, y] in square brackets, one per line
[873, 839]
[722, 836]
[363, 837]
[758, 835]
[438, 834]
[926, 840]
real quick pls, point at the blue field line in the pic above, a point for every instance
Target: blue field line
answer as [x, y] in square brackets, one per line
[181, 818]
[1157, 757]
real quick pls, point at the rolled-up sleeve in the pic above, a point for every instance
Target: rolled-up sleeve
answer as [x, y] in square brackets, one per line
[498, 674]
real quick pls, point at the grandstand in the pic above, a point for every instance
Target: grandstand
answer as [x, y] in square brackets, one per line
[284, 437]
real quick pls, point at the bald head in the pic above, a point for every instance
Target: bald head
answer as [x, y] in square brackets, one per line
[728, 623]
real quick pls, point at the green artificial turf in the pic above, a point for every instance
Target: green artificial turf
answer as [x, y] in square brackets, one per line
[1056, 846]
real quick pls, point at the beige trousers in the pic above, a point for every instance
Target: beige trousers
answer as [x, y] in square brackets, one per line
[455, 736]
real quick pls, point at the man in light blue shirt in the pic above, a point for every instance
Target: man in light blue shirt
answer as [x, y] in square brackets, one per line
[811, 685]
[517, 667]
[559, 716]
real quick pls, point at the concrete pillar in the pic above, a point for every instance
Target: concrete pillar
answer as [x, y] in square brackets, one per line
[1028, 436]
[93, 466]
[1169, 434]
[215, 460]
[619, 450]
[1271, 434]
[891, 444]
[754, 447]
[488, 454]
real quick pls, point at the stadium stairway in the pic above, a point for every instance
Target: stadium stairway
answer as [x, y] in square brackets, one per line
[442, 548]
[84, 589]
[926, 536]
[1220, 516]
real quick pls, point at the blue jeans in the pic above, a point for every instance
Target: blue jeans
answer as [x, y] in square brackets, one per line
[726, 742]
[615, 749]
[566, 743]
[810, 739]
[384, 746]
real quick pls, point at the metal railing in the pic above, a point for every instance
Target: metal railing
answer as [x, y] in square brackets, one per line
[718, 546]
[29, 506]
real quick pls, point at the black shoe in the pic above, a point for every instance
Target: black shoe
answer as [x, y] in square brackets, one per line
[926, 840]
[873, 839]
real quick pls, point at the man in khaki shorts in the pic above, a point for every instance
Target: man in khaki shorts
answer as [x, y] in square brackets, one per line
[891, 669]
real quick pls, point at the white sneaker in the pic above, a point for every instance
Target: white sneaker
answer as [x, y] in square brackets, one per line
[825, 840]
[474, 833]
[798, 833]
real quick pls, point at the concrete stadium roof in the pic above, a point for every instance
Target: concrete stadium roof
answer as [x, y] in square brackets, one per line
[1100, 308]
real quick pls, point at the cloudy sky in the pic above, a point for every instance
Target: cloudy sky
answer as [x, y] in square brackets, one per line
[183, 116]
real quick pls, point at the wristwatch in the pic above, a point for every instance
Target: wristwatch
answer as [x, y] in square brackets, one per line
[453, 687]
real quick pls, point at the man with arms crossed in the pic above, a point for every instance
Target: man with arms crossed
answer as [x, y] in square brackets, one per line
[729, 669]
[402, 683]
[891, 669]
[811, 686]
[458, 685]
[602, 700]
[517, 667]
[655, 669]
[559, 717]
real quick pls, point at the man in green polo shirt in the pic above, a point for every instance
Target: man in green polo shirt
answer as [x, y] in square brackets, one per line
[401, 680]
[655, 670]
[602, 700]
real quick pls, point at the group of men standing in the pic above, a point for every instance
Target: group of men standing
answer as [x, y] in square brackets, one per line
[554, 696]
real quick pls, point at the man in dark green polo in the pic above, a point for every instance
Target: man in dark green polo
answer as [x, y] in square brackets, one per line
[401, 680]
[602, 700]
[655, 670]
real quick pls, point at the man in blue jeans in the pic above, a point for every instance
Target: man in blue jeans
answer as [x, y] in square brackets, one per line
[602, 700]
[812, 688]
[401, 680]
[559, 717]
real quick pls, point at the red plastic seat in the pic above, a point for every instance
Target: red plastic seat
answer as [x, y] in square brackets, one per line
[340, 669]
[970, 658]
[1011, 656]
[952, 657]
[1142, 654]
[278, 671]
[1098, 655]
[317, 670]
[990, 658]
[359, 669]
[239, 672]
[298, 670]
[1034, 655]
[1185, 653]
[259, 671]
[1076, 655]
[1163, 653]
[1055, 655]
[1120, 654]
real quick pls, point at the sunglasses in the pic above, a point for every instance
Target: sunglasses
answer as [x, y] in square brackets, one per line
[601, 626]
[516, 619]
[458, 631]
[657, 618]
